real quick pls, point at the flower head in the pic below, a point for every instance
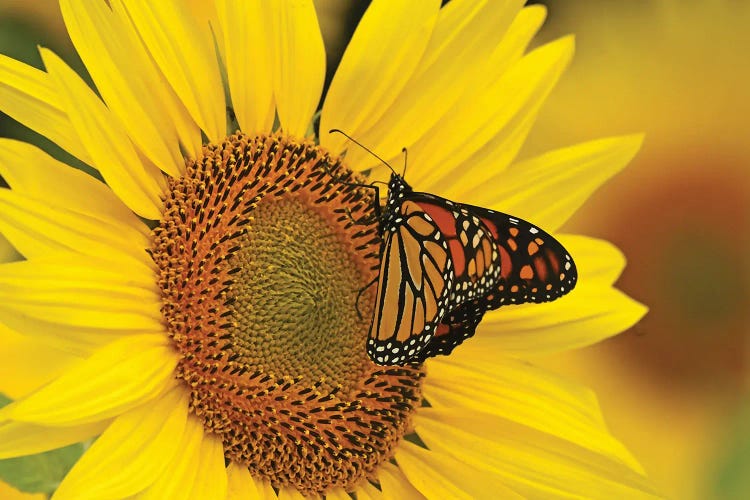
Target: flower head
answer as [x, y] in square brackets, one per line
[220, 348]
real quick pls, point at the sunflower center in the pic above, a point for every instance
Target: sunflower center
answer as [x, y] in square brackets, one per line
[262, 252]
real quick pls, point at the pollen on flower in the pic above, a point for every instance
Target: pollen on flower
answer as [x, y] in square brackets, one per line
[261, 253]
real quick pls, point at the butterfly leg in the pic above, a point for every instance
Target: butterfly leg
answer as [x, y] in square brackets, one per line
[359, 295]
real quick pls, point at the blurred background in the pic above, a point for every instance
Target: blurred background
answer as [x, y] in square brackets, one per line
[675, 388]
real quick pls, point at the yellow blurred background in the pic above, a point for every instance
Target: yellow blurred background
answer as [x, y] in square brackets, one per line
[675, 387]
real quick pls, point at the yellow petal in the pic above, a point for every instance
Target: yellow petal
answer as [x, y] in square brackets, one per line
[132, 453]
[136, 183]
[525, 394]
[7, 492]
[587, 315]
[183, 47]
[247, 53]
[535, 464]
[28, 95]
[38, 229]
[266, 490]
[381, 57]
[299, 62]
[241, 485]
[367, 491]
[211, 480]
[489, 116]
[596, 260]
[18, 439]
[290, 493]
[438, 476]
[395, 484]
[457, 58]
[179, 477]
[125, 78]
[28, 363]
[116, 378]
[7, 252]
[340, 494]
[70, 290]
[76, 341]
[32, 172]
[548, 189]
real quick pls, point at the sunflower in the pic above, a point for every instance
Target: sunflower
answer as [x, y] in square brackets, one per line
[198, 308]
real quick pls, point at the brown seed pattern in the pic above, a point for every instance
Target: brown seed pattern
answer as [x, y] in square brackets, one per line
[261, 251]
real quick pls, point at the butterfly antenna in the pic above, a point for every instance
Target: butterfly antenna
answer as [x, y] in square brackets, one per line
[338, 131]
[406, 155]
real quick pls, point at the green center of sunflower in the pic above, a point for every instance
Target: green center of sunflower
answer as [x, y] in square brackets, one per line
[262, 252]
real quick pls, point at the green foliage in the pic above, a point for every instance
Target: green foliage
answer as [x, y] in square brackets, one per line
[732, 478]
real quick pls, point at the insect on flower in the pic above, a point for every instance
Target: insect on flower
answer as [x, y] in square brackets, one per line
[444, 264]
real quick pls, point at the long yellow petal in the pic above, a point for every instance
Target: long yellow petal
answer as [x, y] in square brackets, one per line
[535, 464]
[89, 294]
[241, 485]
[124, 78]
[132, 453]
[548, 189]
[247, 49]
[28, 363]
[487, 117]
[290, 493]
[37, 229]
[525, 394]
[457, 57]
[211, 480]
[395, 484]
[587, 315]
[29, 96]
[18, 439]
[439, 476]
[76, 341]
[178, 479]
[299, 62]
[183, 47]
[138, 184]
[32, 172]
[118, 377]
[381, 57]
[7, 492]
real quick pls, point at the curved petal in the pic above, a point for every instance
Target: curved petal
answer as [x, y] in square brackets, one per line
[367, 491]
[241, 485]
[597, 260]
[178, 479]
[438, 476]
[118, 377]
[32, 172]
[132, 453]
[29, 96]
[339, 494]
[395, 484]
[28, 363]
[68, 290]
[586, 316]
[126, 79]
[211, 481]
[490, 115]
[381, 57]
[18, 439]
[300, 63]
[136, 183]
[38, 229]
[548, 189]
[520, 392]
[290, 493]
[247, 56]
[183, 47]
[535, 464]
[7, 492]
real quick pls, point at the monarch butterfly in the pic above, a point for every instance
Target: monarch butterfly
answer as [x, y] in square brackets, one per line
[444, 264]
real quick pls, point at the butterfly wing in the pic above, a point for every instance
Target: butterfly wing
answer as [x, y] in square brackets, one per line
[414, 285]
[535, 267]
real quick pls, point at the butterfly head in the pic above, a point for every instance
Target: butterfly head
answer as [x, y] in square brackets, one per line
[398, 191]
